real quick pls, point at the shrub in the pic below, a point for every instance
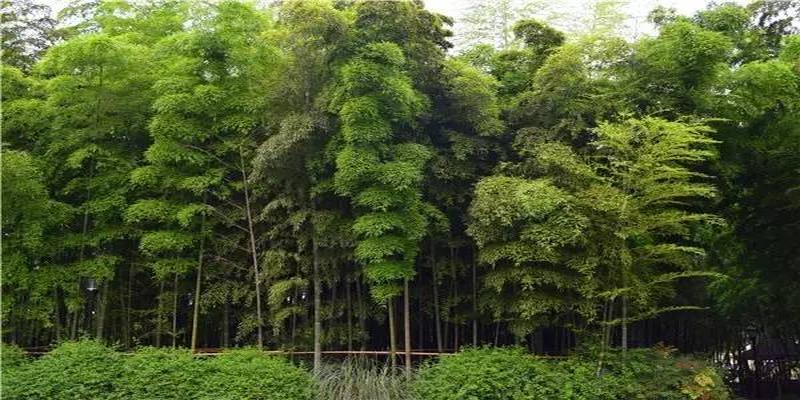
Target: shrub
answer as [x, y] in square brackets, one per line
[361, 379]
[511, 374]
[153, 373]
[89, 370]
[12, 357]
[250, 374]
[74, 370]
[487, 373]
[649, 374]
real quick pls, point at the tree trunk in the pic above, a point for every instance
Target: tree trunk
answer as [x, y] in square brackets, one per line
[317, 306]
[84, 231]
[101, 311]
[453, 298]
[197, 288]
[624, 339]
[129, 307]
[496, 333]
[392, 334]
[407, 326]
[198, 283]
[175, 311]
[349, 316]
[226, 328]
[74, 333]
[362, 322]
[159, 313]
[608, 309]
[474, 299]
[67, 326]
[57, 312]
[421, 320]
[88, 309]
[294, 317]
[123, 306]
[256, 274]
[436, 312]
[455, 337]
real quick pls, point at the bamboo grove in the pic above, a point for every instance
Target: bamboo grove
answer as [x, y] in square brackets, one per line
[333, 175]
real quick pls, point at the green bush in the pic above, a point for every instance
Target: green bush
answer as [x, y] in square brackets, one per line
[645, 374]
[250, 374]
[12, 357]
[487, 374]
[153, 373]
[74, 370]
[89, 370]
[511, 374]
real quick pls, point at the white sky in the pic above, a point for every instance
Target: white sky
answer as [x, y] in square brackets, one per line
[636, 9]
[455, 8]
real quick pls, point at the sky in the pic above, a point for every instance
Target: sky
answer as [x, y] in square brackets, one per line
[455, 8]
[637, 10]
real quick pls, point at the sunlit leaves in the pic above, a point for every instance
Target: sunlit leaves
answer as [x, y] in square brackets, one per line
[627, 200]
[380, 175]
[161, 242]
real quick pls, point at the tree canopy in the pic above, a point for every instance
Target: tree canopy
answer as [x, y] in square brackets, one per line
[307, 174]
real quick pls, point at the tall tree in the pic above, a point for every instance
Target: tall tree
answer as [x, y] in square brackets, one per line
[94, 140]
[605, 226]
[31, 219]
[290, 164]
[758, 165]
[203, 138]
[378, 170]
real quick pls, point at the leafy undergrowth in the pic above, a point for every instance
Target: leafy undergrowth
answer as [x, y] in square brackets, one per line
[89, 370]
[512, 374]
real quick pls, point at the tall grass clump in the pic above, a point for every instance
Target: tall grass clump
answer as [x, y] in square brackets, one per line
[362, 379]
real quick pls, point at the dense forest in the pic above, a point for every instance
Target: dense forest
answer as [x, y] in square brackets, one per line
[335, 175]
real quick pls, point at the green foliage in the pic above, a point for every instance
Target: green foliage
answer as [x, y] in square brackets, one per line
[250, 374]
[510, 373]
[152, 373]
[206, 156]
[84, 369]
[676, 68]
[758, 163]
[30, 221]
[644, 374]
[613, 220]
[13, 357]
[538, 36]
[381, 175]
[87, 369]
[487, 373]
